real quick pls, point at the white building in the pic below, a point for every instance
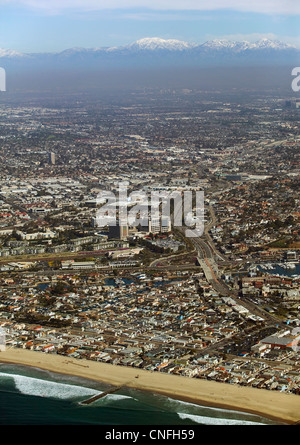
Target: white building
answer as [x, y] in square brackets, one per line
[160, 225]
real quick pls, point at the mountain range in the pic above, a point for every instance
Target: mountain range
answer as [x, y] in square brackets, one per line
[157, 52]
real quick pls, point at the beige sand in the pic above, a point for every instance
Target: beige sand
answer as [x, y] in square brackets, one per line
[271, 404]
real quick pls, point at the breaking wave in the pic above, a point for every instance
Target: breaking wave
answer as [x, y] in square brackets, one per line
[215, 420]
[211, 415]
[135, 404]
[46, 388]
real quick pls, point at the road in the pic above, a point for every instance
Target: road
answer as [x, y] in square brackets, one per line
[207, 255]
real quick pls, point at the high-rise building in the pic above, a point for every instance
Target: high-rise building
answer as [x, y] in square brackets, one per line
[162, 224]
[118, 231]
[51, 158]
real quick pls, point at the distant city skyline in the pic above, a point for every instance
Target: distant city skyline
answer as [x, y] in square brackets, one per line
[52, 26]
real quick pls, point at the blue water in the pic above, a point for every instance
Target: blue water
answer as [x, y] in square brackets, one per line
[30, 396]
[278, 270]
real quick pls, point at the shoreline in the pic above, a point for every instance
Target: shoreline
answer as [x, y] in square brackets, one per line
[276, 406]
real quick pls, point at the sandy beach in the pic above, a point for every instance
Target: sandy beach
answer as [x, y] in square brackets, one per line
[274, 405]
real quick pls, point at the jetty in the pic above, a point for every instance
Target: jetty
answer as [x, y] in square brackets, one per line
[100, 395]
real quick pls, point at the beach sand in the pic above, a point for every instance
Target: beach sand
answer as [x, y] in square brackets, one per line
[274, 405]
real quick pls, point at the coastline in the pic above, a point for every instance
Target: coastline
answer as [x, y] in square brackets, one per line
[284, 408]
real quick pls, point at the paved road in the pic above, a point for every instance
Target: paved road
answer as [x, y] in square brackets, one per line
[207, 253]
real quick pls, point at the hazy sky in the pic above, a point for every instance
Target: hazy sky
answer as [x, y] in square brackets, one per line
[55, 25]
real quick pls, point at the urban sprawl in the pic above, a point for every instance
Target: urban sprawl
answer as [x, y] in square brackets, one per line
[224, 306]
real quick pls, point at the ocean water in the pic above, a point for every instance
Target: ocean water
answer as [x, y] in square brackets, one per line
[30, 396]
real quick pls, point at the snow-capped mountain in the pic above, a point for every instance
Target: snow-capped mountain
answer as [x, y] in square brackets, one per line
[155, 43]
[271, 44]
[244, 45]
[219, 44]
[162, 52]
[10, 53]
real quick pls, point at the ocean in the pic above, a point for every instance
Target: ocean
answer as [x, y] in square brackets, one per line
[30, 396]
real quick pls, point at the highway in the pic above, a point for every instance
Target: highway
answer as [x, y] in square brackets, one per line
[207, 255]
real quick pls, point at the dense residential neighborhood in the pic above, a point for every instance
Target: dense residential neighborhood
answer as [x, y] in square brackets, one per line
[224, 306]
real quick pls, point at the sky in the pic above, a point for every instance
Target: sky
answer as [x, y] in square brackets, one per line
[55, 25]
